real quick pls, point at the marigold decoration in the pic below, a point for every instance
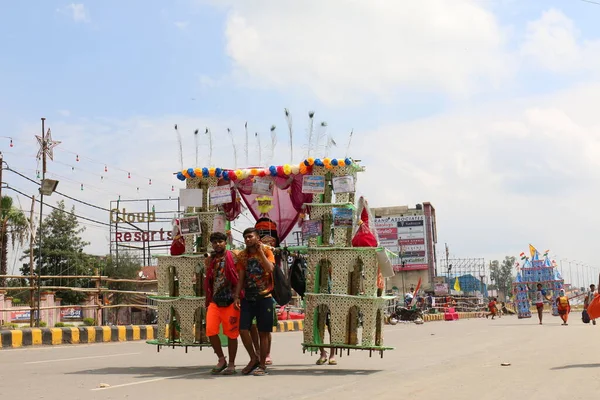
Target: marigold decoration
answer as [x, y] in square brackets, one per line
[265, 204]
[282, 171]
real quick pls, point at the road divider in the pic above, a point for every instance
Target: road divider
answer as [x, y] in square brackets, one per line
[98, 334]
[81, 335]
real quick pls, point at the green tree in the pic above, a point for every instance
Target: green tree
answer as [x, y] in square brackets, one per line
[15, 229]
[128, 267]
[62, 253]
[501, 275]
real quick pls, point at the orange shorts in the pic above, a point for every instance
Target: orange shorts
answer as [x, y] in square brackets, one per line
[228, 316]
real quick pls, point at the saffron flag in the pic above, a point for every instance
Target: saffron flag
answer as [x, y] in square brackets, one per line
[533, 251]
[414, 300]
[457, 285]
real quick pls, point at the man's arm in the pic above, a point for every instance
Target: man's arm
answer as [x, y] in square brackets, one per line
[239, 286]
[265, 262]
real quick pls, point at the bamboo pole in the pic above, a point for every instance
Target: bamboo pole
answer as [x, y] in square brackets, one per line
[95, 277]
[85, 290]
[91, 306]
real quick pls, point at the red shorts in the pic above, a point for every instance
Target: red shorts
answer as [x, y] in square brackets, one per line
[539, 305]
[228, 316]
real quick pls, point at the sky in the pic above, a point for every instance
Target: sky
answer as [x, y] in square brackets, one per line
[485, 108]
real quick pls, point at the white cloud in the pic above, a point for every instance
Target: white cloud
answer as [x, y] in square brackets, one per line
[77, 11]
[553, 42]
[501, 175]
[342, 50]
[181, 24]
[64, 113]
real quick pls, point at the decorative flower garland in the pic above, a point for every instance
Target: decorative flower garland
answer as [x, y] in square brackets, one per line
[281, 170]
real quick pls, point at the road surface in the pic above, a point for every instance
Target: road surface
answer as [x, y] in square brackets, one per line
[437, 360]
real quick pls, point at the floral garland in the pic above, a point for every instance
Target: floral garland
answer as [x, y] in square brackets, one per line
[285, 170]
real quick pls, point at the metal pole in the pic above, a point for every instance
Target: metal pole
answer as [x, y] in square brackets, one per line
[31, 277]
[39, 283]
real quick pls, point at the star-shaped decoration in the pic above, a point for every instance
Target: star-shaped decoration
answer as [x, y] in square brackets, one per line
[49, 147]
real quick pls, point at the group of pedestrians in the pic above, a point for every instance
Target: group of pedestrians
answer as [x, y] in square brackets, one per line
[562, 302]
[238, 296]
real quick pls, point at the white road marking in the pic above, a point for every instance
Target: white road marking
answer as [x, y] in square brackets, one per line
[148, 381]
[80, 358]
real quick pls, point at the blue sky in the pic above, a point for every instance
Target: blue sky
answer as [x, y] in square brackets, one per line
[481, 107]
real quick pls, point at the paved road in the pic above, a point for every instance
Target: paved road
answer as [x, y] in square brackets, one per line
[445, 360]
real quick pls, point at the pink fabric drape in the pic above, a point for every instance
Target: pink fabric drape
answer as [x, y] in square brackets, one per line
[288, 201]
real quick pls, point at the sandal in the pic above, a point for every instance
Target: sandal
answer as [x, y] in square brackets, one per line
[260, 371]
[218, 370]
[268, 361]
[229, 371]
[250, 368]
[332, 362]
[322, 360]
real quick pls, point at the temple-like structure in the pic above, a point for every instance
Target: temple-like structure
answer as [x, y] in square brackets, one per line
[536, 270]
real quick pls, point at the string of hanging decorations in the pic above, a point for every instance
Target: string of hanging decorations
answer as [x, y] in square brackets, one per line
[285, 170]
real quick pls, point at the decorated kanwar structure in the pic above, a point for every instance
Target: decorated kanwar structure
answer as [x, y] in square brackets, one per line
[345, 263]
[536, 270]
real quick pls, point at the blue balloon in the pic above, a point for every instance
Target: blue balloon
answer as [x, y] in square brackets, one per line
[318, 162]
[225, 175]
[273, 170]
[334, 162]
[205, 172]
[180, 176]
[306, 163]
[191, 173]
[218, 172]
[348, 161]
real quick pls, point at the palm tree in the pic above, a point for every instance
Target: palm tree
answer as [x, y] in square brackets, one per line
[15, 228]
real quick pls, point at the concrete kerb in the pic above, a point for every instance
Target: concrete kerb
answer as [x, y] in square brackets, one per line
[98, 334]
[461, 315]
[84, 334]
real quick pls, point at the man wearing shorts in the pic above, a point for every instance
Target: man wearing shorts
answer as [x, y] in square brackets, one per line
[540, 295]
[255, 268]
[219, 285]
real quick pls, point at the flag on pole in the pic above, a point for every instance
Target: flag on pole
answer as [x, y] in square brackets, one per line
[457, 285]
[414, 299]
[534, 252]
[523, 256]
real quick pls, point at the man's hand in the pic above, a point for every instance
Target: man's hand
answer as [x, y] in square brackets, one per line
[236, 302]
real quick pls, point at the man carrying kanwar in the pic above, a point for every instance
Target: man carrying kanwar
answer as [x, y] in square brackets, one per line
[219, 285]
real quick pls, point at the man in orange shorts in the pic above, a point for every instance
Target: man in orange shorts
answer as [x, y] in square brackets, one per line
[219, 286]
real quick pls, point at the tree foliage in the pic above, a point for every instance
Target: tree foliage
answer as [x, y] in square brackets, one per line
[501, 274]
[127, 267]
[14, 230]
[62, 253]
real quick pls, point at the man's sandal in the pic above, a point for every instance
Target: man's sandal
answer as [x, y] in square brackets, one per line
[260, 371]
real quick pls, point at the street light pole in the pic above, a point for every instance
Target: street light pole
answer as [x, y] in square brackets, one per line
[41, 236]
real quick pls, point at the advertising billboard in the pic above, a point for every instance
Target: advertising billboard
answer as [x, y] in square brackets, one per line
[405, 236]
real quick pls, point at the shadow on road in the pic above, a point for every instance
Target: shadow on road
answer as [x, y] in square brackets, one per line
[572, 366]
[203, 371]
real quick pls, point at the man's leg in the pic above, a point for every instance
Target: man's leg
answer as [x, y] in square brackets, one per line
[246, 314]
[540, 311]
[231, 328]
[213, 321]
[255, 338]
[264, 323]
[215, 342]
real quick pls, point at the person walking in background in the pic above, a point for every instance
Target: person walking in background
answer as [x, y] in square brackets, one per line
[588, 299]
[493, 308]
[540, 296]
[564, 308]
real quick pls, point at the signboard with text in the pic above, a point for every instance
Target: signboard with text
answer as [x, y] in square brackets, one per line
[405, 236]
